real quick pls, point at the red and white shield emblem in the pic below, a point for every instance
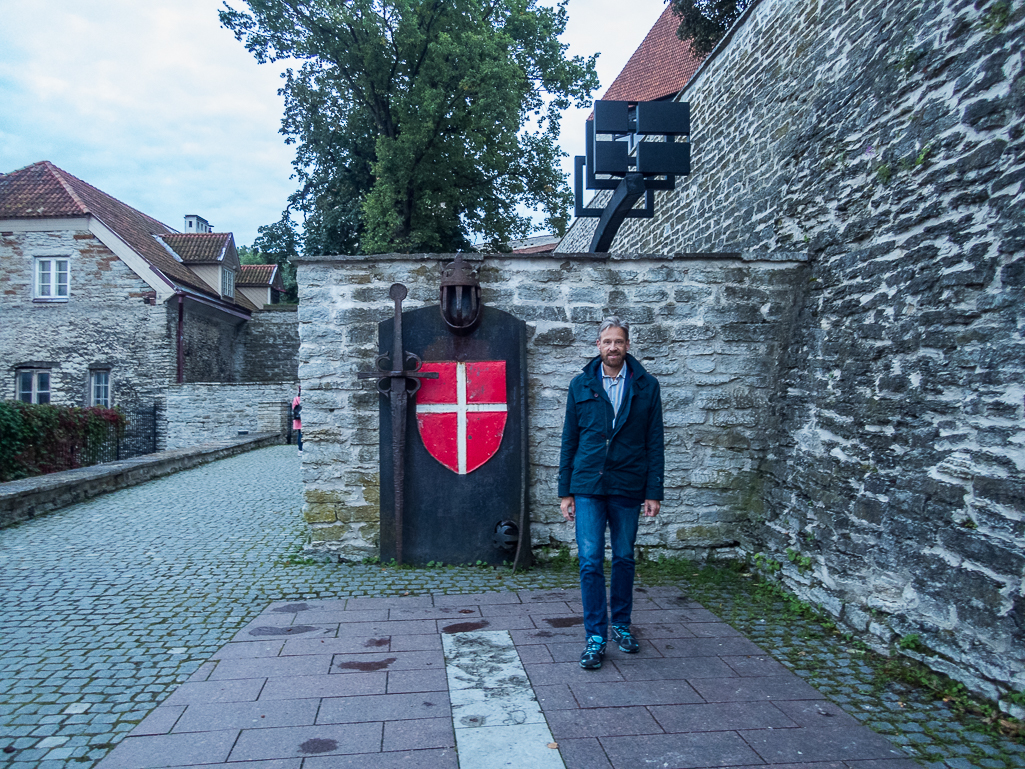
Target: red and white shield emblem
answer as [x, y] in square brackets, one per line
[461, 415]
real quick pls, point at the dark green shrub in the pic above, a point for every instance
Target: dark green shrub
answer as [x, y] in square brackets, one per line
[42, 438]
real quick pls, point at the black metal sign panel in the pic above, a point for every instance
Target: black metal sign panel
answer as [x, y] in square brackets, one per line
[465, 445]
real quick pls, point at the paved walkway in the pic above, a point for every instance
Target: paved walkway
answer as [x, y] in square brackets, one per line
[164, 626]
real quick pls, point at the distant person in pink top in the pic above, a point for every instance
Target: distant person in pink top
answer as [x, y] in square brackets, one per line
[297, 422]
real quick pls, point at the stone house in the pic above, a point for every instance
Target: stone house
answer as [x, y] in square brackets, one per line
[104, 305]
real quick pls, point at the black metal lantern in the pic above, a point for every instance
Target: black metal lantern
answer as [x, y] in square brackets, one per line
[633, 149]
[461, 307]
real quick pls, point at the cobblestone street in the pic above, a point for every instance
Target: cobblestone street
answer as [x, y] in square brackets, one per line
[110, 605]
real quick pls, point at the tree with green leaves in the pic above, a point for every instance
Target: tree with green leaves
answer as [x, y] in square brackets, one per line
[420, 123]
[704, 22]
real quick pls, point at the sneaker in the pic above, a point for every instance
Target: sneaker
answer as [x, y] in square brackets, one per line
[300, 452]
[627, 643]
[593, 654]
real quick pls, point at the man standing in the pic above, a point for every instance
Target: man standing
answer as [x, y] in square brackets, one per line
[611, 465]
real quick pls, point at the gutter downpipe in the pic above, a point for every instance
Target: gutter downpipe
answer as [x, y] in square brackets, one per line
[181, 337]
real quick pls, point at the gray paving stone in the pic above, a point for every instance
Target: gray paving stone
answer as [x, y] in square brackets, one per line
[621, 694]
[679, 750]
[391, 661]
[236, 690]
[407, 759]
[754, 689]
[635, 668]
[271, 667]
[803, 744]
[601, 722]
[405, 681]
[419, 734]
[302, 741]
[184, 749]
[305, 687]
[386, 707]
[159, 721]
[586, 753]
[720, 716]
[265, 714]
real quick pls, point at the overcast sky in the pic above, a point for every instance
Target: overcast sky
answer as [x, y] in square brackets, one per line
[156, 104]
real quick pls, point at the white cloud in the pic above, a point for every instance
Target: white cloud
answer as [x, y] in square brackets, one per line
[155, 103]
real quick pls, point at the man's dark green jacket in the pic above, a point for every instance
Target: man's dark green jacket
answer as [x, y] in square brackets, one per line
[597, 458]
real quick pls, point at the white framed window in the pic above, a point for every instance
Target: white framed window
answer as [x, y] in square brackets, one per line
[227, 282]
[34, 385]
[99, 389]
[52, 278]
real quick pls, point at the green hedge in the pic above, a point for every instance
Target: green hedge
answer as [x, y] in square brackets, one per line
[41, 438]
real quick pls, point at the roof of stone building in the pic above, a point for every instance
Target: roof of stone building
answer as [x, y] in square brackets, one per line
[539, 244]
[659, 68]
[200, 247]
[260, 275]
[44, 191]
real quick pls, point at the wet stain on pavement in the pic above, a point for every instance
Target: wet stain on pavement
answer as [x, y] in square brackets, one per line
[377, 642]
[292, 608]
[564, 621]
[293, 630]
[465, 627]
[318, 746]
[367, 667]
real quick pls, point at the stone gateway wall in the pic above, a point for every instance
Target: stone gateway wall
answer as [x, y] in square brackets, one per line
[711, 327]
[208, 411]
[886, 138]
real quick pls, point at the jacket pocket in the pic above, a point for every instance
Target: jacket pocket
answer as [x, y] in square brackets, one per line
[591, 413]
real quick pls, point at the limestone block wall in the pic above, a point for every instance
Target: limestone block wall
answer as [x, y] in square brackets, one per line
[204, 411]
[888, 138]
[105, 321]
[268, 350]
[711, 327]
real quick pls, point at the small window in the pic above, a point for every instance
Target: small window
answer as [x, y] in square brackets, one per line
[34, 386]
[52, 279]
[227, 282]
[99, 388]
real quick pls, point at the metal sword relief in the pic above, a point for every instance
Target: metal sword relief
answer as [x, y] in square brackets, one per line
[398, 380]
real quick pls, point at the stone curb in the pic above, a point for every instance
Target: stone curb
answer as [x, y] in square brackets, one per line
[31, 497]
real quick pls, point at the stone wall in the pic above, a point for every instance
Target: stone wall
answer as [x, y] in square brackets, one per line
[886, 138]
[711, 327]
[211, 339]
[201, 412]
[269, 346]
[105, 322]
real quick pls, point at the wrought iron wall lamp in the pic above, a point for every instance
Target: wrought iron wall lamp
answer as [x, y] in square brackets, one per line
[619, 158]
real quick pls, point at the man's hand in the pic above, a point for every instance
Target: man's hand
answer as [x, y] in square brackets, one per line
[651, 508]
[569, 508]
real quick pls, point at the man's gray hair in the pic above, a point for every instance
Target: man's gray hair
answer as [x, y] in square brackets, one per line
[613, 321]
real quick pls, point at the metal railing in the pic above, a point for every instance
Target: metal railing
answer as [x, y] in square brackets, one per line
[138, 437]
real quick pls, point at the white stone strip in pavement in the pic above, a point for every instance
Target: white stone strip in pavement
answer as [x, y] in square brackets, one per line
[498, 722]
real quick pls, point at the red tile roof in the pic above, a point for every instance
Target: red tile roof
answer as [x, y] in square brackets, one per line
[659, 68]
[542, 249]
[44, 191]
[200, 247]
[261, 275]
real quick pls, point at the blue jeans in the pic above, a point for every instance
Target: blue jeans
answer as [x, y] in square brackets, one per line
[620, 515]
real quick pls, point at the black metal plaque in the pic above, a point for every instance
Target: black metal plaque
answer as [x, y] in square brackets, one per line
[457, 508]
